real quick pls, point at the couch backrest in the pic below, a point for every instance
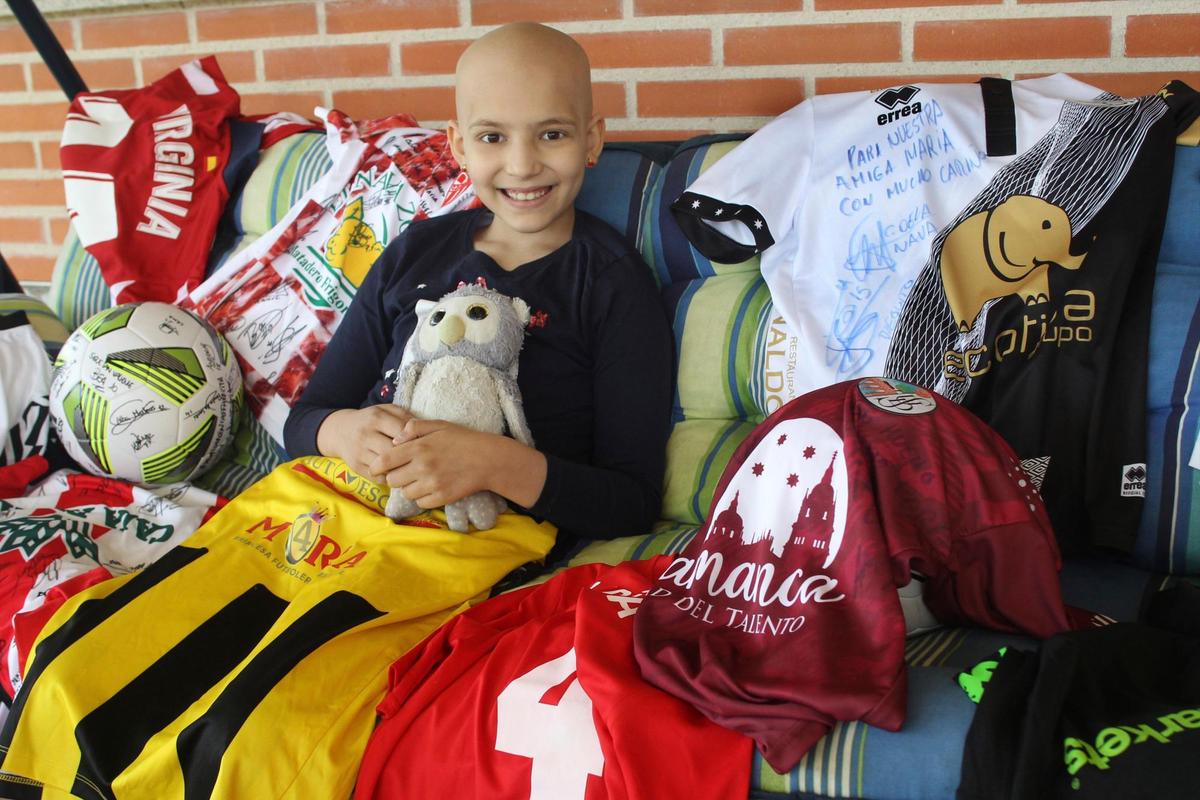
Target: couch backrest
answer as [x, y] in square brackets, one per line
[735, 357]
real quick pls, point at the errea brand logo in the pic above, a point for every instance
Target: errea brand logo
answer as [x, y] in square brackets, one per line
[1133, 480]
[898, 96]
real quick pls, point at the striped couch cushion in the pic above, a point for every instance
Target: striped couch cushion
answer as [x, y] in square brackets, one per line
[44, 322]
[665, 248]
[1169, 535]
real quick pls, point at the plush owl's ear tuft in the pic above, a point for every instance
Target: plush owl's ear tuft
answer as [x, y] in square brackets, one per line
[522, 309]
[424, 307]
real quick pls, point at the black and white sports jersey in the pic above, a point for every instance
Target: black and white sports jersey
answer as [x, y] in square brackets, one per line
[995, 242]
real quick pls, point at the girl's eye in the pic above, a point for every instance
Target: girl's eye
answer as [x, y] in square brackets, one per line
[554, 136]
[437, 317]
[477, 312]
[490, 138]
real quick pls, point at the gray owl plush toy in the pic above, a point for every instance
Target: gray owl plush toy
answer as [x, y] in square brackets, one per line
[460, 365]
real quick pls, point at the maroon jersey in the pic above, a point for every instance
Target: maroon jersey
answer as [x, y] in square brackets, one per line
[536, 694]
[143, 171]
[782, 615]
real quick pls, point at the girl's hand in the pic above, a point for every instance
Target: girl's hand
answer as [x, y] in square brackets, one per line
[359, 436]
[437, 462]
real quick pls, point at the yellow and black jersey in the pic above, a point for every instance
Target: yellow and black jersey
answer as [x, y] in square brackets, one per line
[247, 662]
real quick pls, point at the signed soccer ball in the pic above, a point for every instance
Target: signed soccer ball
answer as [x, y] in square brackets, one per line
[146, 392]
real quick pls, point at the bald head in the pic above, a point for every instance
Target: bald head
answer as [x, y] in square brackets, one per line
[524, 51]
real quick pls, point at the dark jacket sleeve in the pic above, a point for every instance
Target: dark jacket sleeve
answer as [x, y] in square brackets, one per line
[351, 363]
[620, 492]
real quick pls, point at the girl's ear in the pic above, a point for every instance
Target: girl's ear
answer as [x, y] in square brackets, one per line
[595, 138]
[455, 138]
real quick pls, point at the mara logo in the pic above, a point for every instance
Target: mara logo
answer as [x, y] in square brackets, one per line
[305, 542]
[1133, 480]
[899, 96]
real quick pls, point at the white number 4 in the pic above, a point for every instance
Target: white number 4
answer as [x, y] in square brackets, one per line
[560, 739]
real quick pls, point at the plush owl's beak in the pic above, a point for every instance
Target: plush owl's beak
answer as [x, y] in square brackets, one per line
[451, 330]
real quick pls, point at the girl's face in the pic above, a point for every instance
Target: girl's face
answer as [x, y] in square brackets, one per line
[526, 139]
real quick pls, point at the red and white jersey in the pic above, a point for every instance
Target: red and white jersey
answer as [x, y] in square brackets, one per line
[536, 694]
[143, 174]
[73, 530]
[279, 300]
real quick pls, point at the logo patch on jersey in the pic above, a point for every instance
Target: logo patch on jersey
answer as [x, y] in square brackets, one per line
[1133, 480]
[305, 531]
[897, 397]
[897, 96]
[1006, 250]
[890, 98]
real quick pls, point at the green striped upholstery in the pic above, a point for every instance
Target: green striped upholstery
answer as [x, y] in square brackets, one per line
[77, 289]
[697, 453]
[284, 173]
[45, 324]
[665, 248]
[723, 338]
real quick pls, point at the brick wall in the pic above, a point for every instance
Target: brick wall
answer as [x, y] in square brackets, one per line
[662, 68]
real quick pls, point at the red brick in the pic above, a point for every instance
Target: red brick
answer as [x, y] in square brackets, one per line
[292, 19]
[1131, 84]
[646, 8]
[342, 61]
[99, 75]
[50, 160]
[608, 99]
[813, 44]
[647, 48]
[356, 16]
[1012, 39]
[12, 78]
[35, 117]
[830, 5]
[59, 227]
[17, 155]
[1163, 35]
[497, 12]
[31, 268]
[873, 83]
[40, 192]
[237, 67]
[763, 97]
[428, 104]
[431, 58]
[301, 103]
[25, 230]
[133, 30]
[13, 38]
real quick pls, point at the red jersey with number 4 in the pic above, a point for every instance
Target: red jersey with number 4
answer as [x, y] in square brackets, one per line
[143, 171]
[536, 694]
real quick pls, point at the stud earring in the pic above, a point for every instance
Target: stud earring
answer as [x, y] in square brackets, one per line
[591, 162]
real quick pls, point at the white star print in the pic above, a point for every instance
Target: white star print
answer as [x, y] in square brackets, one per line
[758, 224]
[718, 212]
[695, 204]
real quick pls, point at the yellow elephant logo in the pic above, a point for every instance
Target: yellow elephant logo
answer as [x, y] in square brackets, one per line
[1007, 250]
[353, 247]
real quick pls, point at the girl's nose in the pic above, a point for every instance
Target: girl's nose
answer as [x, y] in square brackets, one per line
[522, 161]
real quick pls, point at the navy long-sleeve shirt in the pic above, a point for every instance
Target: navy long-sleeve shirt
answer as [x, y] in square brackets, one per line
[595, 372]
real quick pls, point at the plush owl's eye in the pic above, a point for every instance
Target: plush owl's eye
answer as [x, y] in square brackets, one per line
[477, 312]
[437, 317]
